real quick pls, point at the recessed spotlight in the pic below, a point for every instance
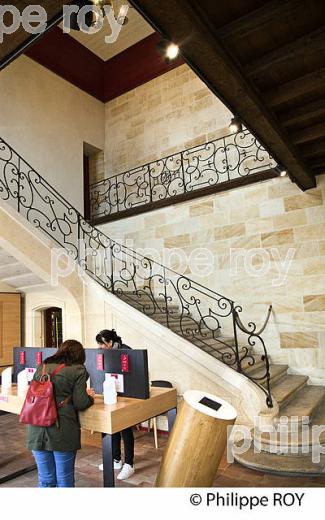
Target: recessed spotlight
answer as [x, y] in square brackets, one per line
[236, 125]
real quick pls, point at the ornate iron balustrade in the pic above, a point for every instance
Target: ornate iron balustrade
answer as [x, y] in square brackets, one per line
[204, 317]
[237, 157]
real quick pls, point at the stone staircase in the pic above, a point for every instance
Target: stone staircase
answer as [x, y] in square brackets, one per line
[46, 210]
[292, 447]
[301, 406]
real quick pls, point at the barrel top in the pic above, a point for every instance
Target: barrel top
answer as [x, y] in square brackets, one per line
[210, 405]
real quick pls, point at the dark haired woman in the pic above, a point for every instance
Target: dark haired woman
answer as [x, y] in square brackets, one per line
[55, 448]
[108, 339]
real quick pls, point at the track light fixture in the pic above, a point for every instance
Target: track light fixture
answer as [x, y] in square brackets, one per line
[281, 170]
[236, 125]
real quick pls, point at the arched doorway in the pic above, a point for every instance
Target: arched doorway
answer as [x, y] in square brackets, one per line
[53, 332]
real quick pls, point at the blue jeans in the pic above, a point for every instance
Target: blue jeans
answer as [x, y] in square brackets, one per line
[55, 468]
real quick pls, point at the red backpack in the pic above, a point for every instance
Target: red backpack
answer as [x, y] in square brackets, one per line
[39, 408]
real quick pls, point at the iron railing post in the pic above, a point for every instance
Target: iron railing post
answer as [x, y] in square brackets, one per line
[18, 186]
[79, 238]
[166, 297]
[183, 171]
[238, 363]
[112, 268]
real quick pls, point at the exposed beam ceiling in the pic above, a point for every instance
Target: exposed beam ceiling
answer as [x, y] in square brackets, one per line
[14, 44]
[245, 52]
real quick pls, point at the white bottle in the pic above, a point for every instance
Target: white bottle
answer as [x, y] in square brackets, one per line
[22, 382]
[6, 379]
[109, 390]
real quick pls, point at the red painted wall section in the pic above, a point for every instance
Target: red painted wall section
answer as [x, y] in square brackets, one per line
[67, 58]
[133, 67]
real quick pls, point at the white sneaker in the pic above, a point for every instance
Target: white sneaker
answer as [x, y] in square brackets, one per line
[117, 465]
[127, 472]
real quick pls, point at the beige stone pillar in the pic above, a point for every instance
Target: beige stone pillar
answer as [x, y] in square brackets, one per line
[197, 441]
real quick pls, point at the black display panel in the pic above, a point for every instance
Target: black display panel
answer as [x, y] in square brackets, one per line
[136, 379]
[30, 355]
[214, 405]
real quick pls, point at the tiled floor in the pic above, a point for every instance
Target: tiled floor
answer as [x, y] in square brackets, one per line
[147, 461]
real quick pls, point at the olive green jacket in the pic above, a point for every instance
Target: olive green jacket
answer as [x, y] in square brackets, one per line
[70, 381]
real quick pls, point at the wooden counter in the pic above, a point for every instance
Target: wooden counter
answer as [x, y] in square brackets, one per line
[109, 419]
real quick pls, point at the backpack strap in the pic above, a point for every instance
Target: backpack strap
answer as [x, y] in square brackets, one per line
[57, 370]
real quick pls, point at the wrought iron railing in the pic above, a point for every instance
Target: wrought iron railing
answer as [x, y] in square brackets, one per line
[201, 315]
[234, 157]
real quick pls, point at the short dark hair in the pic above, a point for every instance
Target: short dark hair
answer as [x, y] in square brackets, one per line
[108, 335]
[70, 352]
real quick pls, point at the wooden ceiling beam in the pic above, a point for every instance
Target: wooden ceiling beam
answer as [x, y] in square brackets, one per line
[200, 47]
[317, 163]
[306, 46]
[313, 149]
[18, 42]
[256, 20]
[295, 88]
[319, 171]
[302, 113]
[308, 134]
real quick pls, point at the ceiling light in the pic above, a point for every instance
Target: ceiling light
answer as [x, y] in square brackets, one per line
[236, 125]
[281, 170]
[172, 51]
[168, 49]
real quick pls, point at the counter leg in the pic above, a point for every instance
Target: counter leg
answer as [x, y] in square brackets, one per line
[108, 463]
[171, 418]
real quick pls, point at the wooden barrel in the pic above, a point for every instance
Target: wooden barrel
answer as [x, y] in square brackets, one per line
[197, 441]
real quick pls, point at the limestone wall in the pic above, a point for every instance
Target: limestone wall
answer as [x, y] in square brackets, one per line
[171, 113]
[266, 244]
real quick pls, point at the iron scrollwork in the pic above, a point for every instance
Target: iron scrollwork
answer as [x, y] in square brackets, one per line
[206, 318]
[228, 158]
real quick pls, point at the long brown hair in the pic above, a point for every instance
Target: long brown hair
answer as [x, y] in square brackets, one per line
[71, 352]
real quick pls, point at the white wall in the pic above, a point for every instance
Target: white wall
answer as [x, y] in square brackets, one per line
[46, 120]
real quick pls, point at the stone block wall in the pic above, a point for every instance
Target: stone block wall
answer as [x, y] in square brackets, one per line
[266, 245]
[171, 113]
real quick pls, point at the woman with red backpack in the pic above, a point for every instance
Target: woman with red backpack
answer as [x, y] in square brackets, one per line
[55, 447]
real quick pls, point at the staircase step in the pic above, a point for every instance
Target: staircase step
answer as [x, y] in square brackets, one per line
[287, 387]
[209, 342]
[245, 363]
[146, 300]
[305, 403]
[248, 368]
[276, 372]
[175, 321]
[295, 465]
[295, 437]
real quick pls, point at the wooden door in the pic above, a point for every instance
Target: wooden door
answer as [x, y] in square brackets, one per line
[10, 326]
[53, 327]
